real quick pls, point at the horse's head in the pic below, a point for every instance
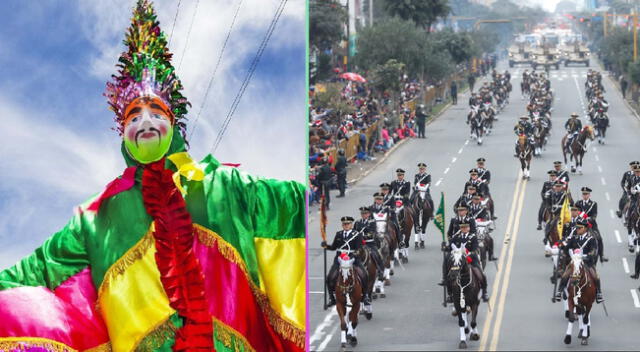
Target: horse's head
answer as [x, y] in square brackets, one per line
[588, 130]
[576, 265]
[346, 266]
[422, 189]
[381, 222]
[458, 262]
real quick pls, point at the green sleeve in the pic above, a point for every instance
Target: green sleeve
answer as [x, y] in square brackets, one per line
[60, 257]
[277, 208]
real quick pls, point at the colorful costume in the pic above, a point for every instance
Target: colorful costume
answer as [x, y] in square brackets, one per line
[172, 255]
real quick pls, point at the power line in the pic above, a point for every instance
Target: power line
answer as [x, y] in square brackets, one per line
[206, 94]
[252, 68]
[184, 50]
[174, 22]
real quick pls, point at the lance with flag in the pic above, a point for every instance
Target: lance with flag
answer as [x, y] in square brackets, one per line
[439, 221]
[565, 215]
[323, 234]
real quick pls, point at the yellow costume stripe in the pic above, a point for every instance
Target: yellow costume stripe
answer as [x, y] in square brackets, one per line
[131, 298]
[18, 343]
[288, 318]
[230, 337]
[281, 265]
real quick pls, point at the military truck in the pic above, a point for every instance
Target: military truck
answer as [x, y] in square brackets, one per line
[576, 53]
[545, 57]
[519, 54]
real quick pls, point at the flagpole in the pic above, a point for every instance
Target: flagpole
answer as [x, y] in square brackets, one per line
[323, 234]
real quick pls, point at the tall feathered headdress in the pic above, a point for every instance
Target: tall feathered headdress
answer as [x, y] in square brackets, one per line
[145, 69]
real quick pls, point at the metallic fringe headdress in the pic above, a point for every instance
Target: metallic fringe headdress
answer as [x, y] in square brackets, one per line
[145, 69]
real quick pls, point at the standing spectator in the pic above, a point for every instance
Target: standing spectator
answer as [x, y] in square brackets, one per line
[324, 179]
[471, 80]
[454, 92]
[421, 120]
[623, 86]
[341, 172]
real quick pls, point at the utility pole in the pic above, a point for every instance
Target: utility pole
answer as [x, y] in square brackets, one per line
[635, 35]
[371, 12]
[604, 23]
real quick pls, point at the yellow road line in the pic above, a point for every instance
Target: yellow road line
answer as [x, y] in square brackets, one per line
[495, 335]
[492, 302]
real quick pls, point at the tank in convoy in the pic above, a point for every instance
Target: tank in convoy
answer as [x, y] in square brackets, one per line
[519, 53]
[576, 53]
[546, 57]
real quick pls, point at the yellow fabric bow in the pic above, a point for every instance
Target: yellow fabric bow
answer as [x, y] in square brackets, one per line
[187, 168]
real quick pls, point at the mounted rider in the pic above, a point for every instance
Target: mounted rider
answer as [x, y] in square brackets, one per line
[367, 226]
[422, 178]
[482, 189]
[480, 214]
[461, 217]
[624, 183]
[483, 173]
[465, 238]
[465, 198]
[523, 127]
[555, 200]
[573, 127]
[346, 241]
[547, 187]
[562, 174]
[585, 244]
[400, 186]
[384, 202]
[589, 211]
[633, 189]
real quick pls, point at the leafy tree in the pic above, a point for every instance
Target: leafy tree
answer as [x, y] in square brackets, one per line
[437, 63]
[634, 72]
[391, 38]
[459, 45]
[387, 78]
[617, 49]
[332, 99]
[327, 19]
[421, 12]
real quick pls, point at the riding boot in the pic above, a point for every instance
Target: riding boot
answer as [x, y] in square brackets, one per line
[332, 298]
[489, 240]
[561, 286]
[540, 217]
[621, 203]
[445, 270]
[493, 211]
[485, 296]
[431, 203]
[599, 297]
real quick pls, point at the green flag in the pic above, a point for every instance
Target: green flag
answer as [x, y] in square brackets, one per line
[439, 218]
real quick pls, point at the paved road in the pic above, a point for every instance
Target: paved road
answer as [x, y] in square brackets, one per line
[522, 317]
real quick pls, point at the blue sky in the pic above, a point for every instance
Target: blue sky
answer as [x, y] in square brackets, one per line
[57, 144]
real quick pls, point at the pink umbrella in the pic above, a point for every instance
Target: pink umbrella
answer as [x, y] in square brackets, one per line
[353, 77]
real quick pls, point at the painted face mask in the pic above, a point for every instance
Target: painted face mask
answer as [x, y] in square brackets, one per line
[147, 129]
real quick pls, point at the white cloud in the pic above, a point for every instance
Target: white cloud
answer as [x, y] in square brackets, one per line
[272, 125]
[48, 167]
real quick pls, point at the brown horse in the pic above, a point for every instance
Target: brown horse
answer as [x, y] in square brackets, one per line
[405, 216]
[370, 266]
[525, 151]
[423, 213]
[348, 285]
[577, 148]
[386, 232]
[581, 295]
[463, 281]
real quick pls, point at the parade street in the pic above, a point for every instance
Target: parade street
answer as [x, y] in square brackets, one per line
[412, 316]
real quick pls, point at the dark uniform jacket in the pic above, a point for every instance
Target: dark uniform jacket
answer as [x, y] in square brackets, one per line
[484, 175]
[422, 179]
[454, 225]
[402, 188]
[588, 246]
[341, 165]
[346, 240]
[590, 207]
[573, 125]
[368, 229]
[468, 241]
[481, 187]
[556, 200]
[324, 174]
[568, 230]
[464, 199]
[478, 211]
[525, 128]
[563, 175]
[625, 180]
[546, 187]
[389, 201]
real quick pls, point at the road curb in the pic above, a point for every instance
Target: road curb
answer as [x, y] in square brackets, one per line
[396, 146]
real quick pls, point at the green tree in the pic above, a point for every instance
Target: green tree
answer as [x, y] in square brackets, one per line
[459, 45]
[421, 12]
[391, 38]
[617, 49]
[437, 64]
[387, 78]
[332, 99]
[327, 19]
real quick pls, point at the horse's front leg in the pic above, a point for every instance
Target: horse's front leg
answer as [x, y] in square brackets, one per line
[475, 336]
[462, 323]
[340, 307]
[571, 318]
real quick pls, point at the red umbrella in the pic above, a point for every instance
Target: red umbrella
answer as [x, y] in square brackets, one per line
[353, 77]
